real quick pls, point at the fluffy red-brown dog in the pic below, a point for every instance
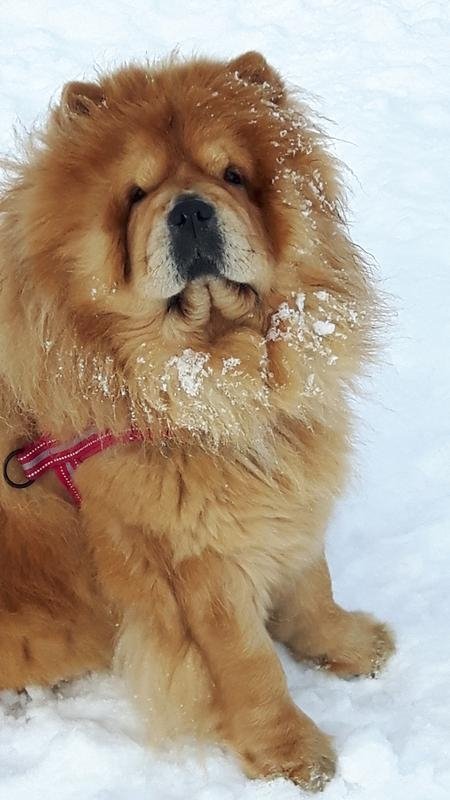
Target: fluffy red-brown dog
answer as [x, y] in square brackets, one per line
[175, 260]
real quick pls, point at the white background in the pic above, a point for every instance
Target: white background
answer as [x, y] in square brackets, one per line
[381, 71]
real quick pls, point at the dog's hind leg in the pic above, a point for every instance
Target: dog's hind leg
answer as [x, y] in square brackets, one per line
[53, 622]
[37, 648]
[306, 619]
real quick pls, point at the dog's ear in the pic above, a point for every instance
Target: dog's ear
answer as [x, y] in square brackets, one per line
[253, 68]
[82, 98]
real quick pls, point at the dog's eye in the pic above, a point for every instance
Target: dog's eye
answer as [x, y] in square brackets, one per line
[136, 195]
[232, 175]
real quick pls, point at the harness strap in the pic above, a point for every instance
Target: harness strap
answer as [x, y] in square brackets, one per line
[46, 454]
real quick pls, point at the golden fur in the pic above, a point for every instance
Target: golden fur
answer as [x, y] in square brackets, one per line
[190, 551]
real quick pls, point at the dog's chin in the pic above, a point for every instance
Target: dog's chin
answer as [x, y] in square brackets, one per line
[222, 292]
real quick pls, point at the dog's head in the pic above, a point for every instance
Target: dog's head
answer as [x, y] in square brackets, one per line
[163, 177]
[182, 224]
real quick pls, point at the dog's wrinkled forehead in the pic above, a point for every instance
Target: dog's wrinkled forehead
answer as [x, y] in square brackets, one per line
[204, 107]
[210, 139]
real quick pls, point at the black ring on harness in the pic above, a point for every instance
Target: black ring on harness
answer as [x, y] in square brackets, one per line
[9, 480]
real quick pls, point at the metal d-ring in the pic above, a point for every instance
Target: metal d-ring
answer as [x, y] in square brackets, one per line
[9, 480]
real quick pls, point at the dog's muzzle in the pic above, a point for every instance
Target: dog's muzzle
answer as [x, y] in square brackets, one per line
[196, 243]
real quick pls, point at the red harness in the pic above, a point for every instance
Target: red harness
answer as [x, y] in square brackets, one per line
[46, 454]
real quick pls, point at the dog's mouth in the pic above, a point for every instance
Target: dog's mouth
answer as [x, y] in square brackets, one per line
[243, 291]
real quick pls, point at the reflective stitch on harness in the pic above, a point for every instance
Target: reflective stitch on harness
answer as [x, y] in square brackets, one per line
[47, 453]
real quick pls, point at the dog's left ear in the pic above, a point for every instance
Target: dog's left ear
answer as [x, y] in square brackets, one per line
[82, 98]
[253, 68]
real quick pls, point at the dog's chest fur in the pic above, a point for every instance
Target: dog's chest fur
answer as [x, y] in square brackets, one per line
[141, 503]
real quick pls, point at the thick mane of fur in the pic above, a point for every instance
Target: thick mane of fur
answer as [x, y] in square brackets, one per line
[69, 365]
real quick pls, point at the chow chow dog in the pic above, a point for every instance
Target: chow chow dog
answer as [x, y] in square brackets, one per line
[180, 299]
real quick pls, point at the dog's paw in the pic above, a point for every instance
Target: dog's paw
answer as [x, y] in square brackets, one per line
[361, 647]
[301, 753]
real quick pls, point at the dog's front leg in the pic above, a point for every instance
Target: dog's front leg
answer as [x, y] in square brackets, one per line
[198, 659]
[257, 717]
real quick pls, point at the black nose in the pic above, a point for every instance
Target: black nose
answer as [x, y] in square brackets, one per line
[191, 210]
[195, 239]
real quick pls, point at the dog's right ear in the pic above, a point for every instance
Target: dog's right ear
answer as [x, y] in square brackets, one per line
[82, 98]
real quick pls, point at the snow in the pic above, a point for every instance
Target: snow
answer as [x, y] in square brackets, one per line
[229, 365]
[382, 72]
[323, 327]
[286, 323]
[190, 367]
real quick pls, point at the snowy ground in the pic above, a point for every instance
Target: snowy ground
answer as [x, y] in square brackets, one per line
[382, 72]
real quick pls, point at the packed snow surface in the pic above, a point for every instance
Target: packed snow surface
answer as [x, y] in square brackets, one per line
[381, 71]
